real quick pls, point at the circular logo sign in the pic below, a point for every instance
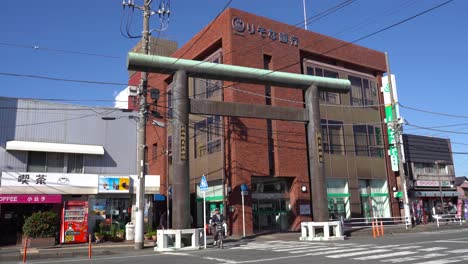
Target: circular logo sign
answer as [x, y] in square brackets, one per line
[238, 24]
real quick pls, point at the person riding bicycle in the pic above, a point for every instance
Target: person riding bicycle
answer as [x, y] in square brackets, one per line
[216, 219]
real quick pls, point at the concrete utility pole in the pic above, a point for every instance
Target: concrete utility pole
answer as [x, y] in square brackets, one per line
[398, 144]
[141, 137]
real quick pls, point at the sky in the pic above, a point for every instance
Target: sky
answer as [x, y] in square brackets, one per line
[81, 40]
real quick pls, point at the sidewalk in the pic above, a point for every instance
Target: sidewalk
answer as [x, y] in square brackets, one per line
[14, 253]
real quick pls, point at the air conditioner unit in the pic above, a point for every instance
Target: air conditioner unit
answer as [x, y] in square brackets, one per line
[132, 90]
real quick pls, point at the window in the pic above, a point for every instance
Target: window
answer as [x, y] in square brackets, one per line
[204, 88]
[54, 162]
[207, 136]
[332, 137]
[75, 163]
[338, 198]
[367, 141]
[363, 91]
[328, 97]
[430, 168]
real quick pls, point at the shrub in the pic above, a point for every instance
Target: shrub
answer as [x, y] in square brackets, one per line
[41, 224]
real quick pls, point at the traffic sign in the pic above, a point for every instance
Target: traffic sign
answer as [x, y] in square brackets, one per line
[244, 187]
[203, 184]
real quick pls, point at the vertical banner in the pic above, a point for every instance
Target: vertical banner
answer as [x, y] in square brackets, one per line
[392, 114]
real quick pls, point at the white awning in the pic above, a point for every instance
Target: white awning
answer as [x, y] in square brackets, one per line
[54, 147]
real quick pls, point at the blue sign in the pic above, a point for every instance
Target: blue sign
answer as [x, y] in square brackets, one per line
[244, 187]
[203, 184]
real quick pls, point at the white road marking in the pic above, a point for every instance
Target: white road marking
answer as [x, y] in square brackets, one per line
[389, 255]
[458, 251]
[441, 261]
[352, 254]
[337, 251]
[419, 257]
[297, 248]
[221, 260]
[431, 249]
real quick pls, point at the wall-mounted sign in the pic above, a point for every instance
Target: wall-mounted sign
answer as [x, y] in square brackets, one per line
[242, 27]
[114, 184]
[318, 137]
[183, 143]
[432, 183]
[30, 199]
[57, 181]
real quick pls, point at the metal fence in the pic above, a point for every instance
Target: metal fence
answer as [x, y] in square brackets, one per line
[366, 222]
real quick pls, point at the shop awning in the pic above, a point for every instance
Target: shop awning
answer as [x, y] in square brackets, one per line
[435, 194]
[54, 147]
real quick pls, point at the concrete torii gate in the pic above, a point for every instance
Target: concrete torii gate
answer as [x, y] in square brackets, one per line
[183, 106]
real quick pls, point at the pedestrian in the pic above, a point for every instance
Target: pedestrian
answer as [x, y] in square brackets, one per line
[216, 219]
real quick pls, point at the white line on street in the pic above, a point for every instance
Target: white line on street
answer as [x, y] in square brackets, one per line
[220, 260]
[358, 253]
[431, 249]
[389, 255]
[419, 257]
[458, 251]
[338, 251]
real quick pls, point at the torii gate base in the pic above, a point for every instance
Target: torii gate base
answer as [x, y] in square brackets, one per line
[309, 231]
[178, 237]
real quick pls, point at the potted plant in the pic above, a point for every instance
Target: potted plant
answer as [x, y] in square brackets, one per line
[154, 235]
[41, 228]
[120, 233]
[99, 237]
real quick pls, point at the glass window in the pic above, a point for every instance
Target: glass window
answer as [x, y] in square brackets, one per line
[207, 138]
[363, 91]
[36, 161]
[55, 162]
[367, 141]
[204, 88]
[328, 97]
[75, 163]
[332, 137]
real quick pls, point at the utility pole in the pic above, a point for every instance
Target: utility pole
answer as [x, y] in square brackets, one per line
[141, 136]
[305, 15]
[397, 131]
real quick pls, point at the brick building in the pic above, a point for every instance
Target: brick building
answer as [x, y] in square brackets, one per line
[270, 156]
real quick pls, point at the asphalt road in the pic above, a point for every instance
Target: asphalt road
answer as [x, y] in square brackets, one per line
[430, 248]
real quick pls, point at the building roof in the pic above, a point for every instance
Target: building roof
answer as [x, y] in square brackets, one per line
[460, 180]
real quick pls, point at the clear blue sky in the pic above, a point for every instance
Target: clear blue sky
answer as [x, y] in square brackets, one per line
[428, 54]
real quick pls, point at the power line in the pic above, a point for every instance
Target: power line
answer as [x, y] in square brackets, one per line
[61, 79]
[204, 32]
[37, 47]
[345, 44]
[432, 112]
[438, 130]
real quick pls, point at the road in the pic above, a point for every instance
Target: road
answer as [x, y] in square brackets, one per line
[410, 248]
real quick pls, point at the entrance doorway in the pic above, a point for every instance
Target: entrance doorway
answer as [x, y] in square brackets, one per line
[270, 204]
[270, 215]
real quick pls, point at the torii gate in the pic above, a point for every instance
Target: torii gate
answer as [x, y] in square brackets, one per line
[183, 106]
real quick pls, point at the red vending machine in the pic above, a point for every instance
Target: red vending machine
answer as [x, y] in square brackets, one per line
[74, 222]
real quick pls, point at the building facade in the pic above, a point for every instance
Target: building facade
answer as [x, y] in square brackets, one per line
[52, 153]
[430, 177]
[270, 156]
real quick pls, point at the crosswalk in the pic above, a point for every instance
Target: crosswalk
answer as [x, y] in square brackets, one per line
[399, 253]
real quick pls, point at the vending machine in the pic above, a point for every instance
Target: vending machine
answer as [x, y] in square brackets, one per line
[74, 227]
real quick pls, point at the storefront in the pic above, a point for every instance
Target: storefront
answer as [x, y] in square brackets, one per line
[214, 199]
[15, 208]
[338, 199]
[374, 198]
[109, 200]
